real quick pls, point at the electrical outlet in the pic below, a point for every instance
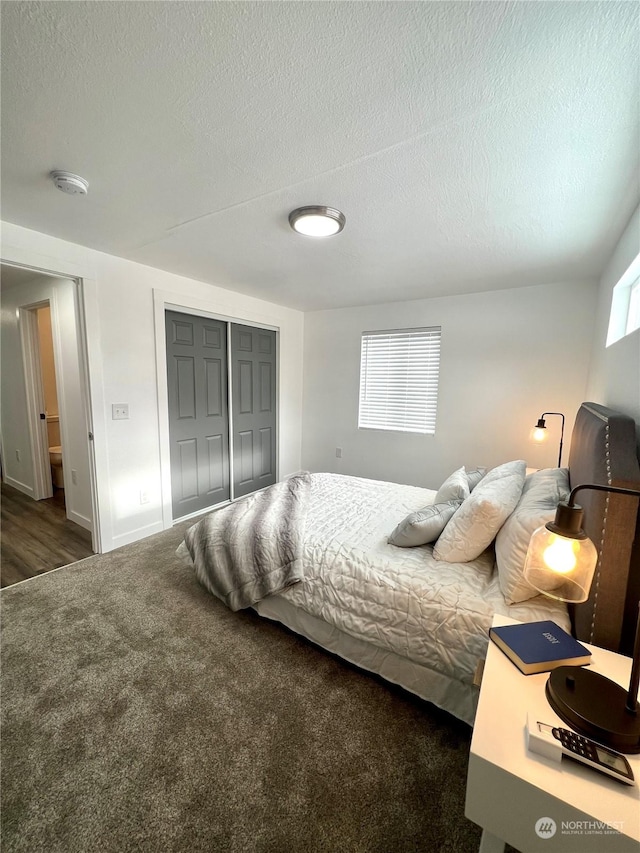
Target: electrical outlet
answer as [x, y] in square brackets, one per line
[74, 477]
[144, 496]
[18, 455]
[119, 411]
[338, 453]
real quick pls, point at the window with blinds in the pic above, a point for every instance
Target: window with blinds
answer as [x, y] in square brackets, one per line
[399, 372]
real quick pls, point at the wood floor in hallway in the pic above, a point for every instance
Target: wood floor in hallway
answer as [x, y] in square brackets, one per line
[36, 536]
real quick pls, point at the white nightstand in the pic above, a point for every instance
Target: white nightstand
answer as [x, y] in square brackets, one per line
[509, 789]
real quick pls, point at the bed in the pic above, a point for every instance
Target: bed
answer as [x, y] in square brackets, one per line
[341, 566]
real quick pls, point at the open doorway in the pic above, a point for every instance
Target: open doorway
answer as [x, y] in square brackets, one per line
[47, 484]
[50, 398]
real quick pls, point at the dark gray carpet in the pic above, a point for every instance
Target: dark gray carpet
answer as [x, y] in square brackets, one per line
[141, 715]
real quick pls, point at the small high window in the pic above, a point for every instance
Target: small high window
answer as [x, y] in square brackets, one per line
[625, 304]
[633, 314]
[399, 372]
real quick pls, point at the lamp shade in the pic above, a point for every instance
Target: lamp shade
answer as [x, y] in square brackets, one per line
[560, 567]
[539, 432]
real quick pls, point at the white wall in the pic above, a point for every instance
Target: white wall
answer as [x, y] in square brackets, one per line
[122, 362]
[15, 427]
[614, 374]
[506, 357]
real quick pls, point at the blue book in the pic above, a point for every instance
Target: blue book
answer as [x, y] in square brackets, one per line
[539, 646]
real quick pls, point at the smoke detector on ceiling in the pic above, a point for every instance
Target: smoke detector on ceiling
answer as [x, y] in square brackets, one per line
[69, 183]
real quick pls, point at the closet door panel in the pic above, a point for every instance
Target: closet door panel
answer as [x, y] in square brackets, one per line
[197, 384]
[253, 365]
[266, 456]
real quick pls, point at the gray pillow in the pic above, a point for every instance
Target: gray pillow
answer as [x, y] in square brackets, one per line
[454, 488]
[423, 526]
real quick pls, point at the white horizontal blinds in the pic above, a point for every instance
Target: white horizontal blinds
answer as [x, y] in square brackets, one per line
[399, 372]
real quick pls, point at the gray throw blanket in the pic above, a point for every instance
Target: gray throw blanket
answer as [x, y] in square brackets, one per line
[252, 548]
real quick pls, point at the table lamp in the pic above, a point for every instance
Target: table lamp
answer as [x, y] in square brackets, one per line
[539, 432]
[560, 563]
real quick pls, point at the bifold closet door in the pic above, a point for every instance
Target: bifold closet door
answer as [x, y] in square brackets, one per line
[197, 380]
[253, 402]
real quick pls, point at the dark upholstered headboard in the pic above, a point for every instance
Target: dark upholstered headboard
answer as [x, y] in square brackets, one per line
[604, 451]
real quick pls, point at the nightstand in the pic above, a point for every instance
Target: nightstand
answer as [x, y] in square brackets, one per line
[509, 790]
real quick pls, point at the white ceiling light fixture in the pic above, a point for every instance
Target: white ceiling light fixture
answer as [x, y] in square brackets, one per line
[69, 183]
[317, 221]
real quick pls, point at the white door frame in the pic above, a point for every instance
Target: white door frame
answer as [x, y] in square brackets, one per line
[85, 298]
[30, 344]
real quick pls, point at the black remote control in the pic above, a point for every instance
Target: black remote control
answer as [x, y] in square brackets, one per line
[594, 755]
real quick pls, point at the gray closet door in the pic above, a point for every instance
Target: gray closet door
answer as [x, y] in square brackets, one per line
[197, 372]
[253, 365]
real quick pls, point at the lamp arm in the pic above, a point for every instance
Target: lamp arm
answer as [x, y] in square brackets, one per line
[561, 432]
[596, 488]
[561, 437]
[631, 706]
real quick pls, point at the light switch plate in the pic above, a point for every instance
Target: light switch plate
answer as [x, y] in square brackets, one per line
[119, 411]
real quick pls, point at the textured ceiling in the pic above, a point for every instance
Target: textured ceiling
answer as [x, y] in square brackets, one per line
[471, 146]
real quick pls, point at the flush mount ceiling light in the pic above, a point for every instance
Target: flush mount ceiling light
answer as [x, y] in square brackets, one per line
[317, 221]
[69, 183]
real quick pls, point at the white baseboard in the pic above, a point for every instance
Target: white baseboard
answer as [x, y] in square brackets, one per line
[81, 520]
[21, 487]
[132, 536]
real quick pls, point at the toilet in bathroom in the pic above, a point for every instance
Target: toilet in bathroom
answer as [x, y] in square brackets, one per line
[55, 458]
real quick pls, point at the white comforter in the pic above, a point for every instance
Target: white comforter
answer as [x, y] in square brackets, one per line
[433, 613]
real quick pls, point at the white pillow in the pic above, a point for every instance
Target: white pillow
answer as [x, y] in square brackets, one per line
[454, 488]
[482, 514]
[423, 526]
[542, 492]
